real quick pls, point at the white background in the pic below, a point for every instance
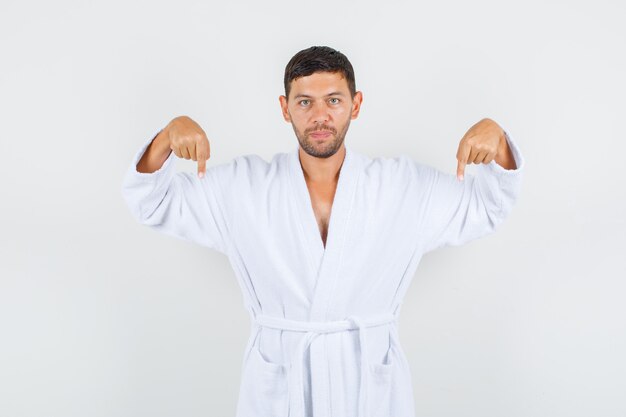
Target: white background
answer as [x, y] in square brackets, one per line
[100, 316]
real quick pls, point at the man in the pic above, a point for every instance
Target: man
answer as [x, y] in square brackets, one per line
[324, 241]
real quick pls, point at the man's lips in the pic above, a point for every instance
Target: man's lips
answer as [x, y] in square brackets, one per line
[320, 133]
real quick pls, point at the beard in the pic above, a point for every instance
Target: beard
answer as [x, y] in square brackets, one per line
[328, 147]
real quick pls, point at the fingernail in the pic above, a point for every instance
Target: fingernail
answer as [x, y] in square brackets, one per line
[200, 174]
[460, 177]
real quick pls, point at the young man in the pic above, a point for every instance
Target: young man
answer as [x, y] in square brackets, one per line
[324, 241]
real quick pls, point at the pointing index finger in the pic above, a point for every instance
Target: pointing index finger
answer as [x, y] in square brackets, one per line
[462, 156]
[202, 156]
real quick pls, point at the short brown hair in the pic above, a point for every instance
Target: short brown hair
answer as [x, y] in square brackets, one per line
[318, 59]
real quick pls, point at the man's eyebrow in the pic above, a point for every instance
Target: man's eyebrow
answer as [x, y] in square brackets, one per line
[334, 93]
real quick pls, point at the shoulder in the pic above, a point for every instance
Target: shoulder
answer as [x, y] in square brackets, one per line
[399, 167]
[248, 168]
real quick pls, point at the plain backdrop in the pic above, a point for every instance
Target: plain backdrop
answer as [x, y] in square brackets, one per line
[103, 317]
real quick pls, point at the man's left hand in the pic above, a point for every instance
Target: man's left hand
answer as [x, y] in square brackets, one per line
[483, 143]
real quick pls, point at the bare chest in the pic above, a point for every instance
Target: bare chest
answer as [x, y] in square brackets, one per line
[322, 202]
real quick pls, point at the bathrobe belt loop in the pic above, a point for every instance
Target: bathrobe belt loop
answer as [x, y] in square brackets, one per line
[314, 329]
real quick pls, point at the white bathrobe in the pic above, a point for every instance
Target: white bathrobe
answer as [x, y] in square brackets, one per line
[324, 332]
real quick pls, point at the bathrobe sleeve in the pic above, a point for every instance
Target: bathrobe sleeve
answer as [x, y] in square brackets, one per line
[456, 212]
[177, 204]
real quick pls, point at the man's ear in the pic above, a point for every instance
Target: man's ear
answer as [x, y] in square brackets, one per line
[283, 106]
[356, 104]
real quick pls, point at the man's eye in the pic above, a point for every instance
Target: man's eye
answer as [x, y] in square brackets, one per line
[302, 101]
[335, 99]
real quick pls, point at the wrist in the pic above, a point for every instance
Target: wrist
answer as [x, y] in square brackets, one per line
[161, 142]
[503, 145]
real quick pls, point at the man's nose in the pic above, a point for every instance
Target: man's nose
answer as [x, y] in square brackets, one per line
[320, 112]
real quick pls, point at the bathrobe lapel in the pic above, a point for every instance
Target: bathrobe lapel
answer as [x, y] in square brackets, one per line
[325, 261]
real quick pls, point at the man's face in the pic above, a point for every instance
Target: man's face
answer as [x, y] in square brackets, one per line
[320, 109]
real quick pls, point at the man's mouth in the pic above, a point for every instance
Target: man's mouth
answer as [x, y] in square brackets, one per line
[320, 133]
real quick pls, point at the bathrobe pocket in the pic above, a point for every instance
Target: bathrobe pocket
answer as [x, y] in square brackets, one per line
[264, 387]
[380, 379]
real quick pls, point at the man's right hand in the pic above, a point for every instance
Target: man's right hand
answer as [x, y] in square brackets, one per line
[188, 140]
[182, 136]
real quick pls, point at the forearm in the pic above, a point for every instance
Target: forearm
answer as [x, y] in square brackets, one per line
[156, 153]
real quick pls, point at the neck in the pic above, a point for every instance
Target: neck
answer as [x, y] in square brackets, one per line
[322, 170]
